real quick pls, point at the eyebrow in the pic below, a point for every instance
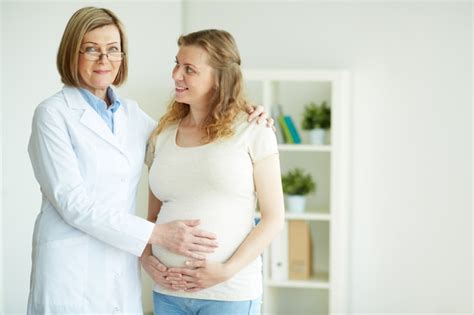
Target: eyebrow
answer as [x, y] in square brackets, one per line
[89, 42]
[186, 64]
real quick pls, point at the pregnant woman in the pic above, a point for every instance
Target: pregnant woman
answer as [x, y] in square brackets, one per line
[206, 161]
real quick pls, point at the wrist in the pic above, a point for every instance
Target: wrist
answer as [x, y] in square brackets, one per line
[146, 252]
[230, 269]
[155, 237]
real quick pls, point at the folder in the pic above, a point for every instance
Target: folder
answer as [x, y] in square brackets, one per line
[299, 250]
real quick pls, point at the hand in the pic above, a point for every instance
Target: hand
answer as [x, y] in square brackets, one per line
[200, 274]
[258, 112]
[159, 273]
[182, 237]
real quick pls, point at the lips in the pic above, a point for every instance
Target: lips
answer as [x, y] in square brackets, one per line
[102, 71]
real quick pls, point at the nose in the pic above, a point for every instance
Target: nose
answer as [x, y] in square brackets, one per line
[103, 58]
[177, 73]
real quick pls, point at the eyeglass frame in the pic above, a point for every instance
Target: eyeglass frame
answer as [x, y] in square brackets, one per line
[100, 54]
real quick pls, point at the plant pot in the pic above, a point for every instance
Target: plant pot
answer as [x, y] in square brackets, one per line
[295, 203]
[316, 136]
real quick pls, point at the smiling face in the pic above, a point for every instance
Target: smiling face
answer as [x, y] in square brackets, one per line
[194, 79]
[97, 76]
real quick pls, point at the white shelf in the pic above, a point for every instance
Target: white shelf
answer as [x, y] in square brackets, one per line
[321, 75]
[307, 216]
[320, 281]
[304, 147]
[290, 87]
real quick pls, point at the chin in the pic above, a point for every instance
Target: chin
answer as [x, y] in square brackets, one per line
[102, 85]
[180, 99]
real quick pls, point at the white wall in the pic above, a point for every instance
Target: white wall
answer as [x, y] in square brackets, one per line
[33, 31]
[1, 173]
[411, 69]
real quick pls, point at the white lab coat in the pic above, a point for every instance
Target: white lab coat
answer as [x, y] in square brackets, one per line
[87, 239]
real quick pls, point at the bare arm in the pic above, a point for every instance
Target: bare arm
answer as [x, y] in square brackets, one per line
[270, 196]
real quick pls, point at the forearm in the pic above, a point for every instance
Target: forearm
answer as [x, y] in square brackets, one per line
[254, 244]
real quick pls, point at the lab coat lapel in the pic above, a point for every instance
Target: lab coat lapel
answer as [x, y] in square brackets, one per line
[120, 125]
[90, 118]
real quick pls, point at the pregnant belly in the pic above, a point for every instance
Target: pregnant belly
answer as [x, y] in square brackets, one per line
[230, 227]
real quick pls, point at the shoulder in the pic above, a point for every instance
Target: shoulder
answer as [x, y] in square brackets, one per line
[54, 105]
[165, 133]
[241, 124]
[131, 106]
[55, 101]
[251, 129]
[132, 109]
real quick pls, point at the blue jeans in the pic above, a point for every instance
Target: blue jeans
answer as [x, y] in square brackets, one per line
[172, 305]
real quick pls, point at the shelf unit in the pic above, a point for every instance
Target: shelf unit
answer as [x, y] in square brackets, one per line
[327, 212]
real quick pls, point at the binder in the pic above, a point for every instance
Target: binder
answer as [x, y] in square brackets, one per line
[285, 129]
[276, 112]
[292, 128]
[279, 256]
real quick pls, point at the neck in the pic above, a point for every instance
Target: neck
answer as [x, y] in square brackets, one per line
[195, 117]
[102, 94]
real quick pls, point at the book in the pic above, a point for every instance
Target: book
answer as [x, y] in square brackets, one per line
[299, 250]
[279, 256]
[285, 129]
[276, 112]
[294, 132]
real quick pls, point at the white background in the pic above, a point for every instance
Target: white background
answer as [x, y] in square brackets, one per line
[411, 65]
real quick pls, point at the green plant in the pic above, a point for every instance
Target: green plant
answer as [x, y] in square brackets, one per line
[316, 116]
[296, 182]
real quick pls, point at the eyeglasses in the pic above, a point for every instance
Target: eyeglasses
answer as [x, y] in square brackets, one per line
[97, 55]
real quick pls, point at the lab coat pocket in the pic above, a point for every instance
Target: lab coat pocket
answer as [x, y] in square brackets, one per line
[62, 273]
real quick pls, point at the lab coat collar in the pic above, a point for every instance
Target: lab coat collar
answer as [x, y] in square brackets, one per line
[94, 122]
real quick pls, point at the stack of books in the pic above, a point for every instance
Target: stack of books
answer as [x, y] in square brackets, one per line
[286, 128]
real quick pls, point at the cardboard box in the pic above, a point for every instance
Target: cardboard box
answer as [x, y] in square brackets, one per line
[299, 250]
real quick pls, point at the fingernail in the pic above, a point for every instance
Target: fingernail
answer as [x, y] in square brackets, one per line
[187, 263]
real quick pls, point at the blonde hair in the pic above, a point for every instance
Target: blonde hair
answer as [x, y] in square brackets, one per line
[82, 21]
[228, 99]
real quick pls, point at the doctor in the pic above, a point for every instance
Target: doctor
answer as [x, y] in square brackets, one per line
[87, 149]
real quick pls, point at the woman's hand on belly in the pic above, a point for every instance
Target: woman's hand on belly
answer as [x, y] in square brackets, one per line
[159, 273]
[200, 274]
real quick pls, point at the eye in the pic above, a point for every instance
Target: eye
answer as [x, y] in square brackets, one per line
[113, 49]
[189, 69]
[90, 49]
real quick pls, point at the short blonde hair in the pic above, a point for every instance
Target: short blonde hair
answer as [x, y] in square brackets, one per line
[228, 99]
[82, 21]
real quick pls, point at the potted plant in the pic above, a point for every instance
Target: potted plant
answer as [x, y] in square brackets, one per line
[316, 119]
[296, 185]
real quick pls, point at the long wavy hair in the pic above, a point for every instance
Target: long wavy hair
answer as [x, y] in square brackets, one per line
[228, 99]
